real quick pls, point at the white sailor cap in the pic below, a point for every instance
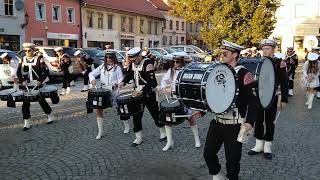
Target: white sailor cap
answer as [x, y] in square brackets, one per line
[28, 45]
[4, 55]
[280, 55]
[231, 46]
[268, 42]
[77, 53]
[312, 56]
[58, 49]
[134, 52]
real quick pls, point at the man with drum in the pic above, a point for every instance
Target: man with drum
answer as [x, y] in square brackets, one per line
[141, 71]
[267, 116]
[33, 72]
[85, 62]
[228, 128]
[64, 62]
[292, 64]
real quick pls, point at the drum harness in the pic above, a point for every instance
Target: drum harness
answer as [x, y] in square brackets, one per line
[30, 64]
[137, 76]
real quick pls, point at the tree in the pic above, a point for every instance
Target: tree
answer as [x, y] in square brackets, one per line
[245, 22]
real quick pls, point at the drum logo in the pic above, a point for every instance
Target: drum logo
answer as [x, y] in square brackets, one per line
[192, 76]
[221, 78]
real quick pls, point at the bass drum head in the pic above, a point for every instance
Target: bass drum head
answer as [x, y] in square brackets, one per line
[266, 85]
[221, 88]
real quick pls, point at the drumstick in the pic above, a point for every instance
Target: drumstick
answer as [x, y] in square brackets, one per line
[27, 88]
[167, 98]
[277, 116]
[34, 88]
[173, 101]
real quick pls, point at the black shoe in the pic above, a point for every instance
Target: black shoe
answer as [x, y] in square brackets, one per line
[267, 156]
[50, 122]
[84, 90]
[26, 129]
[135, 145]
[163, 139]
[251, 152]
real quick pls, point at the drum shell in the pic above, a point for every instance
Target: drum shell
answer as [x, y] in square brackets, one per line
[99, 99]
[19, 97]
[46, 93]
[129, 106]
[166, 114]
[5, 95]
[31, 96]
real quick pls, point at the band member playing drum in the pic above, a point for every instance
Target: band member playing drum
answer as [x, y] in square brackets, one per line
[168, 87]
[317, 51]
[267, 116]
[292, 64]
[226, 128]
[85, 62]
[311, 70]
[32, 72]
[110, 76]
[13, 67]
[141, 71]
[64, 63]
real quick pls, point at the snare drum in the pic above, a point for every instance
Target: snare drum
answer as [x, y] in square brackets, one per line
[18, 96]
[171, 110]
[129, 105]
[50, 92]
[99, 98]
[264, 76]
[31, 96]
[5, 95]
[207, 87]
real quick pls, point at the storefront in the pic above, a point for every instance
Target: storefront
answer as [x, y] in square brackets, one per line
[126, 40]
[100, 44]
[10, 42]
[62, 39]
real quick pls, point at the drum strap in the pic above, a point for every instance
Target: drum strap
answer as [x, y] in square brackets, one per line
[30, 64]
[237, 68]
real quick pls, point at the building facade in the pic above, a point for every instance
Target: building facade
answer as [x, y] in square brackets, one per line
[120, 24]
[193, 34]
[298, 25]
[53, 22]
[12, 24]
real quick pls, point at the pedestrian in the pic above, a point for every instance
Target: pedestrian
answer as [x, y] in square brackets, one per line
[64, 62]
[292, 64]
[168, 87]
[141, 71]
[264, 127]
[33, 73]
[86, 63]
[110, 77]
[224, 129]
[311, 70]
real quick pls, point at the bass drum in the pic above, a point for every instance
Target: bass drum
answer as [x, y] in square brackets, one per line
[264, 75]
[207, 87]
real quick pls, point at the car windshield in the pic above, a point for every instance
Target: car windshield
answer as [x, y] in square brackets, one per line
[178, 49]
[50, 52]
[155, 52]
[123, 53]
[169, 50]
[95, 52]
[198, 50]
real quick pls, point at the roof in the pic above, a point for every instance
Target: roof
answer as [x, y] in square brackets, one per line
[142, 7]
[160, 5]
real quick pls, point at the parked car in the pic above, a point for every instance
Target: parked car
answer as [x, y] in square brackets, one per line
[166, 52]
[51, 60]
[98, 55]
[5, 78]
[196, 53]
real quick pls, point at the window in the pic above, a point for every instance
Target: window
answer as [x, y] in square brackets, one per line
[8, 7]
[71, 15]
[56, 13]
[40, 11]
[170, 40]
[123, 24]
[170, 24]
[177, 25]
[110, 21]
[156, 28]
[141, 26]
[131, 24]
[89, 19]
[182, 40]
[164, 40]
[149, 27]
[100, 20]
[38, 42]
[190, 27]
[164, 24]
[182, 26]
[177, 40]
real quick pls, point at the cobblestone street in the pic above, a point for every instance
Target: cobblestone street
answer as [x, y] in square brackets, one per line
[67, 149]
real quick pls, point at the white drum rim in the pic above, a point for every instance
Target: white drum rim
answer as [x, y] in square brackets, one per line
[263, 81]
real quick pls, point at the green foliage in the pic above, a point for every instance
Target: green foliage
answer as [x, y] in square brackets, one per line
[245, 22]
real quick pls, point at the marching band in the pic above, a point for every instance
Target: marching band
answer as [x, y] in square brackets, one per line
[230, 126]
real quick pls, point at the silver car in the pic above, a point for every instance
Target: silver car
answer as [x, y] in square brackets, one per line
[195, 52]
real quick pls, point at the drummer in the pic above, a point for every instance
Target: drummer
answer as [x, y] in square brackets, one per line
[64, 62]
[85, 62]
[110, 76]
[264, 127]
[226, 128]
[168, 87]
[33, 71]
[13, 67]
[141, 70]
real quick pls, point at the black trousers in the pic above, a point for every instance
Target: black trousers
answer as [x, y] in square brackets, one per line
[268, 117]
[291, 80]
[26, 108]
[227, 134]
[150, 101]
[86, 76]
[66, 79]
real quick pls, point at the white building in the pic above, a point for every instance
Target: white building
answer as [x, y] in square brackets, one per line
[12, 24]
[298, 25]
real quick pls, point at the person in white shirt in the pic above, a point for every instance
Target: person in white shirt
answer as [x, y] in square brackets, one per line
[110, 76]
[13, 67]
[311, 69]
[168, 87]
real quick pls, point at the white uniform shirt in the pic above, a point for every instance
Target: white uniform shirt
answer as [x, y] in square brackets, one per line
[107, 78]
[166, 80]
